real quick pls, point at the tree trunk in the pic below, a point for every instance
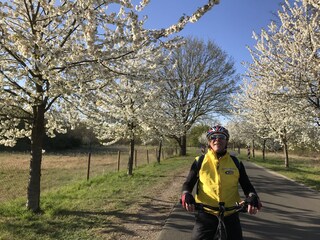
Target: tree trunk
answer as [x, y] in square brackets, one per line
[253, 146]
[264, 150]
[159, 152]
[131, 155]
[183, 145]
[38, 131]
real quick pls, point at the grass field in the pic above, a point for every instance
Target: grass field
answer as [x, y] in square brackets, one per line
[303, 169]
[87, 209]
[62, 169]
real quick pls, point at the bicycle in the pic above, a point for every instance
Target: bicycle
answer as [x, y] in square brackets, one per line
[221, 233]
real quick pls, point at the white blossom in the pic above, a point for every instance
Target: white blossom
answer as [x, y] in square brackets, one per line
[281, 93]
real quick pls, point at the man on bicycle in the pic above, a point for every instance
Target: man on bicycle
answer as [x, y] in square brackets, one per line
[217, 175]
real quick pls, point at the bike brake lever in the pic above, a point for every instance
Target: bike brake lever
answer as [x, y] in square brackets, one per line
[241, 207]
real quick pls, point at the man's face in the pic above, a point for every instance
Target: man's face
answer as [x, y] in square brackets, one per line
[218, 142]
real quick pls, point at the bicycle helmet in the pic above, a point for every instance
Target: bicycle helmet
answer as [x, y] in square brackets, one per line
[217, 129]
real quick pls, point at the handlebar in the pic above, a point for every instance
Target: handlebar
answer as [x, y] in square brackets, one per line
[238, 207]
[243, 207]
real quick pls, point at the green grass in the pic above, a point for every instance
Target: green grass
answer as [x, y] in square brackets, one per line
[305, 170]
[87, 209]
[61, 169]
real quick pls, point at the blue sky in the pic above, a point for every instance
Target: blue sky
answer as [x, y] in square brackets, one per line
[229, 24]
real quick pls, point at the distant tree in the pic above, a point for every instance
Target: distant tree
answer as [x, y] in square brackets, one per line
[270, 116]
[244, 133]
[195, 132]
[122, 112]
[197, 86]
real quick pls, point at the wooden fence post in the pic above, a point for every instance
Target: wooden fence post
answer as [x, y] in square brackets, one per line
[135, 158]
[118, 161]
[88, 169]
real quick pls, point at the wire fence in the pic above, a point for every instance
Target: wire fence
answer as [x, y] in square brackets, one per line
[61, 169]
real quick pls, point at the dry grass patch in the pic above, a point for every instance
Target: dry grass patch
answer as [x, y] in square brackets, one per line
[62, 169]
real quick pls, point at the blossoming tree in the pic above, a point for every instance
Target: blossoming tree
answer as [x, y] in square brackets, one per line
[288, 54]
[282, 91]
[51, 52]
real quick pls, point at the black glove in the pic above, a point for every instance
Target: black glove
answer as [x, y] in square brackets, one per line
[187, 198]
[253, 200]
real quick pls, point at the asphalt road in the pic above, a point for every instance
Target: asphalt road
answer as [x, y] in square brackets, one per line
[290, 211]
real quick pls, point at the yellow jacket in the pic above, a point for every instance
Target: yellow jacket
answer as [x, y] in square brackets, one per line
[218, 182]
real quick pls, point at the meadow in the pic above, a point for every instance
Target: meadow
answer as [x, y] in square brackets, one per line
[94, 209]
[68, 167]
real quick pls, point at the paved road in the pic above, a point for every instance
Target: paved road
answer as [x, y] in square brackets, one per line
[290, 211]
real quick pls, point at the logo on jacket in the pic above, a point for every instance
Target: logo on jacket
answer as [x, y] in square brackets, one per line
[229, 171]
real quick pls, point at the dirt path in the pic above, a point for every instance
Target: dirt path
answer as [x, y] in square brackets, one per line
[148, 216]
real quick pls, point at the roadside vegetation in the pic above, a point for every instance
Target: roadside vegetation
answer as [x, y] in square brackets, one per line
[66, 167]
[94, 209]
[302, 169]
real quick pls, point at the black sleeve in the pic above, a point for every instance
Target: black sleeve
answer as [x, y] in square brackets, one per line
[244, 181]
[192, 178]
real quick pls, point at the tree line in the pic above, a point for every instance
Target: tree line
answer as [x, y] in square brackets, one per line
[278, 103]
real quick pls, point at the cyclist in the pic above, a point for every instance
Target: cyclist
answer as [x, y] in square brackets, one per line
[218, 176]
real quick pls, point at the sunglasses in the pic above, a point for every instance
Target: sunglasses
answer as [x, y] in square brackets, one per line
[218, 136]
